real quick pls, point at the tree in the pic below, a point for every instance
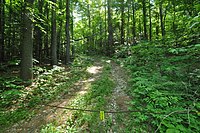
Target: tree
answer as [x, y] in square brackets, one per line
[27, 43]
[122, 22]
[110, 28]
[133, 21]
[46, 36]
[150, 23]
[67, 58]
[144, 19]
[38, 32]
[2, 22]
[54, 60]
[161, 18]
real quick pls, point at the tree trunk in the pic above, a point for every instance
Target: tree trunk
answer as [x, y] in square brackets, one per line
[122, 22]
[39, 33]
[54, 60]
[2, 22]
[38, 36]
[59, 40]
[134, 22]
[67, 60]
[144, 19]
[174, 18]
[46, 38]
[157, 25]
[105, 36]
[89, 26]
[9, 53]
[161, 19]
[27, 44]
[110, 29]
[150, 23]
[128, 22]
[72, 34]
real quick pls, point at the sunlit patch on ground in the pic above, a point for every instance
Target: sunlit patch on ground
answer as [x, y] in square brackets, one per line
[94, 69]
[108, 61]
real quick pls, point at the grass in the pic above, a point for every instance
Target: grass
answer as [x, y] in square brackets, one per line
[94, 99]
[19, 102]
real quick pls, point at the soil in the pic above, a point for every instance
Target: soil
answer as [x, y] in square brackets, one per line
[119, 100]
[44, 115]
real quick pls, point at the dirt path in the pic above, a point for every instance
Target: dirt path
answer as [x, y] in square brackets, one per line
[119, 100]
[48, 114]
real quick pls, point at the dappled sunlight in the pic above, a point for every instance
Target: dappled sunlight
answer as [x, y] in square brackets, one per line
[108, 61]
[94, 69]
[79, 89]
[88, 80]
[85, 89]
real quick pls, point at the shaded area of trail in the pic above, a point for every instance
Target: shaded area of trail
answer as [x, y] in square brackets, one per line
[119, 99]
[47, 114]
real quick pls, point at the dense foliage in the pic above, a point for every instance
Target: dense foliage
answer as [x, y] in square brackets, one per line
[164, 86]
[17, 102]
[41, 48]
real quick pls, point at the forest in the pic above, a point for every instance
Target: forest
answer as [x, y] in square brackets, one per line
[123, 66]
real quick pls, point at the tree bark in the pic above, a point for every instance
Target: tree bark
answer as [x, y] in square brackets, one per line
[59, 40]
[27, 44]
[8, 52]
[67, 60]
[161, 19]
[157, 25]
[150, 23]
[134, 22]
[110, 29]
[122, 22]
[128, 22]
[46, 37]
[39, 35]
[144, 19]
[2, 22]
[89, 26]
[54, 60]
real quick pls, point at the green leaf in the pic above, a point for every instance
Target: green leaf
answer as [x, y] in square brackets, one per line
[168, 125]
[172, 131]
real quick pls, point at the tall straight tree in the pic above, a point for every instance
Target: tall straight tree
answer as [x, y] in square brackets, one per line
[46, 36]
[122, 22]
[27, 43]
[110, 28]
[134, 22]
[161, 18]
[150, 23]
[2, 22]
[38, 36]
[59, 36]
[128, 22]
[144, 19]
[54, 60]
[89, 39]
[67, 58]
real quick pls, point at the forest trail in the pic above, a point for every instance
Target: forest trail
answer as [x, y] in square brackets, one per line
[46, 114]
[119, 100]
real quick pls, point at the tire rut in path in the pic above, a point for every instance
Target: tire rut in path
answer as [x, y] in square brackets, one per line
[119, 99]
[47, 114]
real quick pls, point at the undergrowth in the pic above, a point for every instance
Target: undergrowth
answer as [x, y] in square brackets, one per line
[94, 99]
[18, 102]
[166, 85]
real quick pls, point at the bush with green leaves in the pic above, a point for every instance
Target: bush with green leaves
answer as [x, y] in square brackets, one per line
[165, 85]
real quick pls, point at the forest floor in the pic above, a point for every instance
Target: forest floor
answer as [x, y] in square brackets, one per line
[157, 86]
[50, 118]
